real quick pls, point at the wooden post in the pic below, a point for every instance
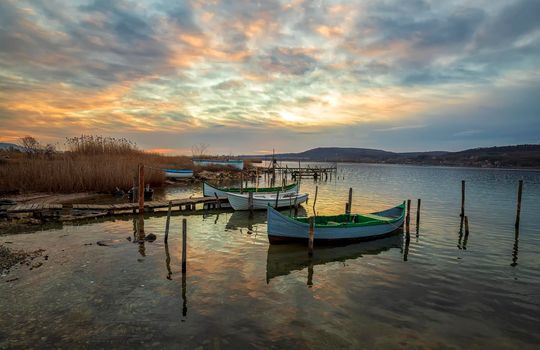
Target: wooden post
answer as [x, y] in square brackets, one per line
[277, 199]
[257, 180]
[408, 217]
[349, 203]
[311, 235]
[184, 244]
[418, 213]
[167, 223]
[218, 203]
[518, 211]
[241, 182]
[141, 188]
[462, 197]
[250, 203]
[315, 200]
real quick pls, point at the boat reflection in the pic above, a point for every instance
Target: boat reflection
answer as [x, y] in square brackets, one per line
[282, 259]
[239, 220]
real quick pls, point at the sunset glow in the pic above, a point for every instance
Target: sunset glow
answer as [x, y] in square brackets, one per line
[281, 74]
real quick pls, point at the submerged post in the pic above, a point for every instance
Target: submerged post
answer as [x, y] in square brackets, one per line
[167, 223]
[462, 197]
[184, 245]
[250, 203]
[141, 188]
[315, 200]
[349, 203]
[408, 217]
[418, 213]
[518, 211]
[241, 182]
[311, 235]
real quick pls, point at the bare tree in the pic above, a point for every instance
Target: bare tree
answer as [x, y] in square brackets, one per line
[199, 151]
[30, 146]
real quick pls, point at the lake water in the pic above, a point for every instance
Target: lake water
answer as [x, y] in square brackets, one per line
[438, 289]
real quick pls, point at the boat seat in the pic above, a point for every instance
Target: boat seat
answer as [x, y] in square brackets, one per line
[377, 217]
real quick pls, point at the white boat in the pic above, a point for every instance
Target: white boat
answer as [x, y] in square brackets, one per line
[211, 191]
[177, 174]
[235, 163]
[263, 200]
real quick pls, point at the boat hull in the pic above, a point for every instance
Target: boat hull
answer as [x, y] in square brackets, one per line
[260, 202]
[178, 174]
[283, 229]
[211, 191]
[235, 163]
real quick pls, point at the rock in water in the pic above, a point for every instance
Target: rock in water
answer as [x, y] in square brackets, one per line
[150, 237]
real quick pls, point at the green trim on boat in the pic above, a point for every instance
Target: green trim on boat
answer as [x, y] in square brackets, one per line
[350, 220]
[253, 189]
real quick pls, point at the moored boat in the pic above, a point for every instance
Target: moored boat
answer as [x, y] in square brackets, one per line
[235, 163]
[263, 200]
[337, 228]
[210, 191]
[177, 173]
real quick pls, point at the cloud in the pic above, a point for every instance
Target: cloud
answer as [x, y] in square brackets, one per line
[301, 73]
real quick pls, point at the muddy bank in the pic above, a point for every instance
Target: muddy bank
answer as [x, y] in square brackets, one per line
[10, 258]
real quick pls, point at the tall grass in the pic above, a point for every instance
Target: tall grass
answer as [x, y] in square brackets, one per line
[90, 163]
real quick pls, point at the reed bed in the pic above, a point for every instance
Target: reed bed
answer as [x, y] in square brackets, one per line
[69, 173]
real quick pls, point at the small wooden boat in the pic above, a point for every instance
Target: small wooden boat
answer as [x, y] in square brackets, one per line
[235, 163]
[263, 200]
[211, 191]
[177, 174]
[337, 228]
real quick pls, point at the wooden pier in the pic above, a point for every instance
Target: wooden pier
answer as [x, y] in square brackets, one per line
[74, 211]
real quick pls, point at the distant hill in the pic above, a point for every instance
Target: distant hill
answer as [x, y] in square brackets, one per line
[520, 156]
[8, 146]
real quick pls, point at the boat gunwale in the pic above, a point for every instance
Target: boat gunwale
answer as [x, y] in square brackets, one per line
[236, 190]
[373, 222]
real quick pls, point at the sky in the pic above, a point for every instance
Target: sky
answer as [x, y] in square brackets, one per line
[246, 77]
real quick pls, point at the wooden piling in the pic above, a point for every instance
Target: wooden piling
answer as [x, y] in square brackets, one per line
[141, 188]
[241, 182]
[250, 203]
[408, 217]
[311, 235]
[349, 203]
[184, 245]
[462, 198]
[167, 223]
[518, 210]
[277, 199]
[418, 212]
[315, 200]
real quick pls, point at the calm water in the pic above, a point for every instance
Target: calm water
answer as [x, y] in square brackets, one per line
[436, 290]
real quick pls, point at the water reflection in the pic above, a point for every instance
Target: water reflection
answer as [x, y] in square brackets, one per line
[283, 259]
[515, 248]
[184, 297]
[168, 261]
[462, 240]
[239, 220]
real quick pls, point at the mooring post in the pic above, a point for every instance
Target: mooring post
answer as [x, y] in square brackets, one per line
[167, 223]
[408, 217]
[141, 188]
[315, 200]
[250, 203]
[241, 182]
[184, 245]
[462, 197]
[349, 203]
[277, 199]
[518, 211]
[418, 212]
[311, 235]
